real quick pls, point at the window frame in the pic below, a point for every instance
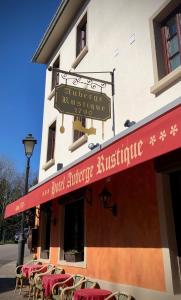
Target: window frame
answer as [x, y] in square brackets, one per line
[176, 14]
[80, 52]
[162, 80]
[73, 208]
[55, 75]
[81, 35]
[69, 200]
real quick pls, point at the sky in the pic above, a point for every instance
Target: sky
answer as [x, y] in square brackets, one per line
[22, 83]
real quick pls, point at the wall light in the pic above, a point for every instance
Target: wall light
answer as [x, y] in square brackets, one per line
[92, 146]
[106, 199]
[59, 166]
[129, 123]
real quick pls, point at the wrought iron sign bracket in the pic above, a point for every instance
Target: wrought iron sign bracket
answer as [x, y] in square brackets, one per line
[92, 82]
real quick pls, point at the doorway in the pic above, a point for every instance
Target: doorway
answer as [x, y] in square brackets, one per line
[175, 189]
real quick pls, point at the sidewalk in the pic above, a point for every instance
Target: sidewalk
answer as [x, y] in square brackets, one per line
[7, 282]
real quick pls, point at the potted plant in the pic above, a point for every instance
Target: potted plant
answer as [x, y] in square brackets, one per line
[73, 255]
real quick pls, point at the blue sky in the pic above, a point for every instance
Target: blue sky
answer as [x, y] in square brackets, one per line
[22, 25]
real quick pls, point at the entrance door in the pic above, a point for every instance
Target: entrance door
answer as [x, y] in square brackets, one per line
[175, 186]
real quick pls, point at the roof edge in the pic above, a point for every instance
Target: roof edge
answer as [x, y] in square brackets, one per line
[49, 30]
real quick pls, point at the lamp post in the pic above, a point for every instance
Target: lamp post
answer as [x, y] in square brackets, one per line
[29, 143]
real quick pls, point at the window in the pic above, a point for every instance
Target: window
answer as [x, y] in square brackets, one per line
[45, 232]
[81, 41]
[165, 27]
[171, 38]
[55, 75]
[81, 35]
[74, 227]
[77, 134]
[51, 141]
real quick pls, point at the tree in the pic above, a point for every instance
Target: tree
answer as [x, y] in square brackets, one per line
[11, 188]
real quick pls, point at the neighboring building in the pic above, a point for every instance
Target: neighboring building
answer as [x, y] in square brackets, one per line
[118, 204]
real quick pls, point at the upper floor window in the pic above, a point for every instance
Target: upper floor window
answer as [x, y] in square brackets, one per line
[51, 141]
[166, 46]
[55, 75]
[171, 37]
[77, 134]
[81, 35]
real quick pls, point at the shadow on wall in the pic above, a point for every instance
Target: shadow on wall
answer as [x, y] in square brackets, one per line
[137, 220]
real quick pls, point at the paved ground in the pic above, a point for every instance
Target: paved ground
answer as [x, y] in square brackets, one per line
[9, 252]
[7, 278]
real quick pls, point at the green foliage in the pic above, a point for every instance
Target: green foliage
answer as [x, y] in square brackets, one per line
[11, 188]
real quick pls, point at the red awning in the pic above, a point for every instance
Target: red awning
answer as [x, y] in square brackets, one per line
[154, 137]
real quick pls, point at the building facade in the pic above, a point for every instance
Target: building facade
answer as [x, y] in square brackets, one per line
[109, 193]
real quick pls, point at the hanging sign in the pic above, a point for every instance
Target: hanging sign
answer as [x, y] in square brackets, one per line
[82, 102]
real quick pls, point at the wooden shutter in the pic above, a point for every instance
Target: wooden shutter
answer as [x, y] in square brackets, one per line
[51, 142]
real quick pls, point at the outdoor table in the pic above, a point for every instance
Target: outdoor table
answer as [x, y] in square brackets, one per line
[27, 269]
[91, 294]
[48, 282]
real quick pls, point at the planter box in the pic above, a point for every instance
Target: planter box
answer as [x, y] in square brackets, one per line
[73, 257]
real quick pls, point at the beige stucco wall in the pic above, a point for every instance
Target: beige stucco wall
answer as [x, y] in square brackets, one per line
[118, 37]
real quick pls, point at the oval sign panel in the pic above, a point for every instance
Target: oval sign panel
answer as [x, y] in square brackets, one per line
[82, 102]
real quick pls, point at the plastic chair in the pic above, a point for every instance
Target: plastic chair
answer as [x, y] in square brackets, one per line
[58, 270]
[90, 284]
[34, 275]
[119, 296]
[61, 290]
[19, 275]
[38, 281]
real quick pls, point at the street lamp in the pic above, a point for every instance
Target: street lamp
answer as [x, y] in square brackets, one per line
[29, 143]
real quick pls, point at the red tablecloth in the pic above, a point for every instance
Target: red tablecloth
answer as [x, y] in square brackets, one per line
[49, 280]
[91, 294]
[27, 269]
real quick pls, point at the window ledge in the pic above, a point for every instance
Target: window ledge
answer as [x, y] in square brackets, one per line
[50, 96]
[167, 81]
[80, 57]
[48, 164]
[78, 143]
[80, 264]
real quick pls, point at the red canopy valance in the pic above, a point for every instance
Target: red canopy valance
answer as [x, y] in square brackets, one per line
[153, 138]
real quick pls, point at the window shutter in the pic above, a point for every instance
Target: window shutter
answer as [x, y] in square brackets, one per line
[51, 141]
[164, 32]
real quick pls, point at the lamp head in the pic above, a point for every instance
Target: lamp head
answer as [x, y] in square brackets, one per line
[29, 143]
